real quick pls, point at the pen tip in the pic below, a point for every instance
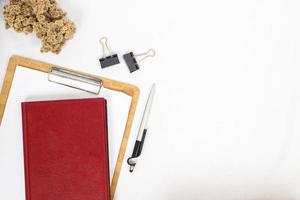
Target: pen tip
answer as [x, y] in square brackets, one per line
[131, 168]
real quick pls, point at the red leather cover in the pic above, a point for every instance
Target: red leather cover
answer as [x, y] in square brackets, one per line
[66, 150]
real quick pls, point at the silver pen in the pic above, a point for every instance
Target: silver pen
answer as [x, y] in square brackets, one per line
[138, 147]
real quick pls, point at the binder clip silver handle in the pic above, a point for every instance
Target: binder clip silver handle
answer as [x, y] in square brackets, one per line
[74, 80]
[143, 56]
[106, 50]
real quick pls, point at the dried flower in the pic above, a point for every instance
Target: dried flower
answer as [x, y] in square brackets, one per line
[44, 17]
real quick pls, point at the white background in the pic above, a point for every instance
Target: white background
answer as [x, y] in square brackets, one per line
[225, 118]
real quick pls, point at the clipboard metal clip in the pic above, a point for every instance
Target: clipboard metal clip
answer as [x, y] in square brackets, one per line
[74, 80]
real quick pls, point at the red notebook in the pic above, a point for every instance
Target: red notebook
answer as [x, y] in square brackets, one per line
[66, 150]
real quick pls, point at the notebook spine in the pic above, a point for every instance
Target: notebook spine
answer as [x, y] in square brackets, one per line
[25, 152]
[107, 149]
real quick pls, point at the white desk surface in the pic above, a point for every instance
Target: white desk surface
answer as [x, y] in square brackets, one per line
[226, 116]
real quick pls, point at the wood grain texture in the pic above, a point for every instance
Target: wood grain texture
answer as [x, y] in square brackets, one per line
[128, 89]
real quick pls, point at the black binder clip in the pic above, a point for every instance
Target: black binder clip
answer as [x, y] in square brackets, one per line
[133, 62]
[108, 58]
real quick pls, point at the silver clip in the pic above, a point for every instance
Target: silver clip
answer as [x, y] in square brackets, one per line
[148, 54]
[106, 50]
[74, 80]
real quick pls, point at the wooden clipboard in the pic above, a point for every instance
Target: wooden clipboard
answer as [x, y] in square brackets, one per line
[40, 66]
